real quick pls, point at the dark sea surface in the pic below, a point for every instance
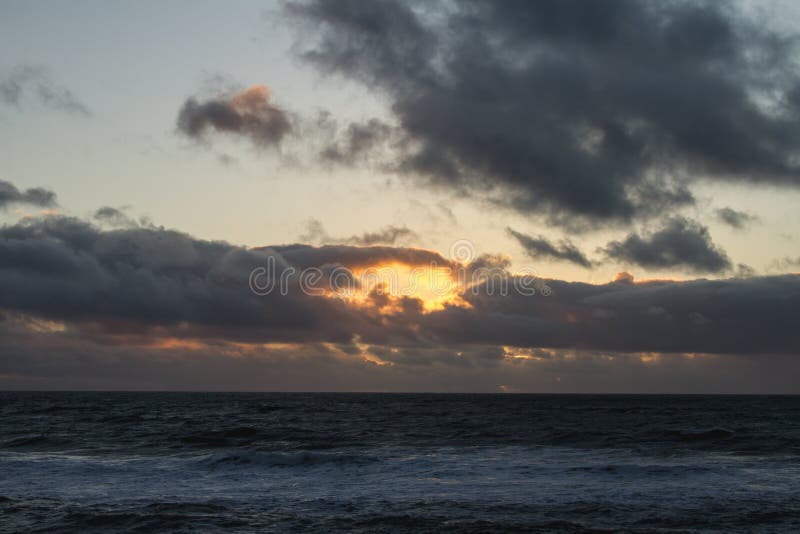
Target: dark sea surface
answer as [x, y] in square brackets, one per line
[410, 463]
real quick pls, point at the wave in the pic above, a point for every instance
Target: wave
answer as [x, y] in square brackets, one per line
[184, 507]
[58, 408]
[281, 459]
[153, 517]
[711, 434]
[32, 440]
[122, 419]
[221, 438]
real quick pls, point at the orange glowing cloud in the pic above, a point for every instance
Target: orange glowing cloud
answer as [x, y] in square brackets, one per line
[252, 99]
[436, 287]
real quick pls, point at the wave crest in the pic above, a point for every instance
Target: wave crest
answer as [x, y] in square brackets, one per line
[281, 459]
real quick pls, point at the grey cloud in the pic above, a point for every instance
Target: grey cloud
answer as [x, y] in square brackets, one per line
[541, 248]
[146, 278]
[140, 278]
[355, 142]
[739, 316]
[226, 160]
[604, 112]
[35, 81]
[680, 243]
[35, 196]
[489, 263]
[114, 217]
[303, 256]
[734, 218]
[247, 113]
[315, 232]
[743, 270]
[389, 235]
[786, 263]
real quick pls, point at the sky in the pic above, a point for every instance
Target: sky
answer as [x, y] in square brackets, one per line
[628, 170]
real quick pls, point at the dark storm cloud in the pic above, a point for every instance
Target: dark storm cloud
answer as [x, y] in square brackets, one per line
[35, 196]
[679, 244]
[734, 316]
[67, 279]
[36, 82]
[388, 235]
[735, 219]
[144, 277]
[541, 248]
[606, 110]
[247, 113]
[147, 279]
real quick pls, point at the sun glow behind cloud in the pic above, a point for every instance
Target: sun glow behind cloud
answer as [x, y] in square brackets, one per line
[384, 285]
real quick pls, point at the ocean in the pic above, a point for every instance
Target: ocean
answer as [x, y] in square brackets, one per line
[247, 462]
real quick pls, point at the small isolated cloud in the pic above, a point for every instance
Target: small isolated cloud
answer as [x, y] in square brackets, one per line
[116, 218]
[226, 160]
[35, 196]
[247, 113]
[680, 243]
[34, 81]
[540, 247]
[734, 218]
[388, 235]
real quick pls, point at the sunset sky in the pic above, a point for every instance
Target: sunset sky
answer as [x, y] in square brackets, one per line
[640, 161]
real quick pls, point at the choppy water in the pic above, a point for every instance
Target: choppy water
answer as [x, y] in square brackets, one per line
[352, 462]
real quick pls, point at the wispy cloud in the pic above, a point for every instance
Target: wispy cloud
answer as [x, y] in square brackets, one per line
[35, 196]
[540, 247]
[36, 82]
[389, 235]
[738, 220]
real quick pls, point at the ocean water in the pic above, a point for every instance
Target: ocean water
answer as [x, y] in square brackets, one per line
[408, 463]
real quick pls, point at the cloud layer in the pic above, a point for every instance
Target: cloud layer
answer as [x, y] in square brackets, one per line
[129, 304]
[148, 281]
